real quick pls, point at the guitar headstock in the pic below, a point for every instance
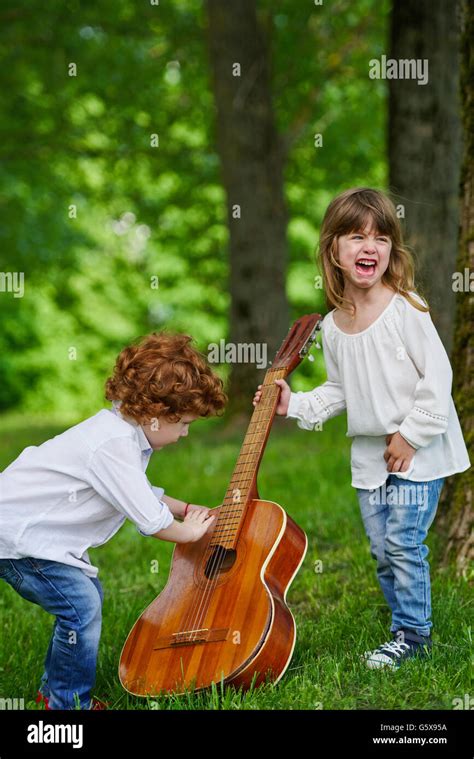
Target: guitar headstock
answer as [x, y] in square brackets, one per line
[298, 341]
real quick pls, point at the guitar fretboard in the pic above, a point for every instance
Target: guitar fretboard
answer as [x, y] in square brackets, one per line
[232, 511]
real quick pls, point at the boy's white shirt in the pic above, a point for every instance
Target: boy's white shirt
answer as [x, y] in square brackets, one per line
[393, 376]
[75, 491]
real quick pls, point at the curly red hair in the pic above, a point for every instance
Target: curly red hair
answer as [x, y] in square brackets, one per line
[163, 375]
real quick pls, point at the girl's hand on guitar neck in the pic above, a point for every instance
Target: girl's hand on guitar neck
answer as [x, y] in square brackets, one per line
[284, 400]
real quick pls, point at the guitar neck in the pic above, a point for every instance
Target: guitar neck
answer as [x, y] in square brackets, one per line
[243, 483]
[243, 479]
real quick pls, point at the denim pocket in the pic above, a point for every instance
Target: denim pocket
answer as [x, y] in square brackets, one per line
[10, 573]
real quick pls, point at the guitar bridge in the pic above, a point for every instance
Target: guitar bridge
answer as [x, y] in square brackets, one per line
[191, 637]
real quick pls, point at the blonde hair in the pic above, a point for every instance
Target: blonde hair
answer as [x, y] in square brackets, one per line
[349, 212]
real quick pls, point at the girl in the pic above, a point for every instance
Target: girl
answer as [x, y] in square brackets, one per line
[76, 490]
[387, 366]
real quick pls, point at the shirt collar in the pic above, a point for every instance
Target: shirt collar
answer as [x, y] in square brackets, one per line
[142, 438]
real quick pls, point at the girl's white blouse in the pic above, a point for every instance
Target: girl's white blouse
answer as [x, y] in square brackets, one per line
[393, 376]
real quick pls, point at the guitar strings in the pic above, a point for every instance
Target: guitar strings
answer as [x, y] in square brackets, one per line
[226, 525]
[199, 608]
[197, 612]
[217, 560]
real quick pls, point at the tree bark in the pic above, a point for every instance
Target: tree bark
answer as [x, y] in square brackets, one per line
[252, 160]
[457, 509]
[424, 142]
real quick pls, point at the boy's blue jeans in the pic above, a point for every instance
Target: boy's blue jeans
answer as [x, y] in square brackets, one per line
[76, 601]
[396, 517]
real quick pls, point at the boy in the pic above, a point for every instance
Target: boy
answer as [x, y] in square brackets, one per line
[75, 491]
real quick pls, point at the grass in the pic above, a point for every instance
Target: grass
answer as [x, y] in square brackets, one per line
[340, 611]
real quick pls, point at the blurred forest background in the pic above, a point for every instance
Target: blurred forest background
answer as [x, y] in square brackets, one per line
[149, 246]
[168, 164]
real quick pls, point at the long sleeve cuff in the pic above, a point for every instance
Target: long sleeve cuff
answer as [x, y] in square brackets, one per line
[420, 426]
[316, 406]
[293, 406]
[165, 519]
[308, 409]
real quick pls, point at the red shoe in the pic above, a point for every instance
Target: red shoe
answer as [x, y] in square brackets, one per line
[98, 705]
[40, 699]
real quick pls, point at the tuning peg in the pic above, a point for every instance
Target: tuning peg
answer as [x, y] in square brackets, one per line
[310, 357]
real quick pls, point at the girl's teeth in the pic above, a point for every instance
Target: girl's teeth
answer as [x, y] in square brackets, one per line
[368, 267]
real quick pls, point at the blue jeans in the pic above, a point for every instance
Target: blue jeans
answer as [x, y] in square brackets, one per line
[396, 517]
[76, 601]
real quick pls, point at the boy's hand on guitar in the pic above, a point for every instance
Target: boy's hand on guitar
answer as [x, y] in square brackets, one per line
[193, 508]
[197, 523]
[284, 399]
[398, 453]
[206, 510]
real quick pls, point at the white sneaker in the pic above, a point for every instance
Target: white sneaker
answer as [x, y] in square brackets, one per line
[387, 655]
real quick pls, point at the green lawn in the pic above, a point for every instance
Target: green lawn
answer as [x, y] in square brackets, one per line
[340, 612]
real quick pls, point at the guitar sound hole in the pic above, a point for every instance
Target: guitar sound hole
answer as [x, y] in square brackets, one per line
[220, 560]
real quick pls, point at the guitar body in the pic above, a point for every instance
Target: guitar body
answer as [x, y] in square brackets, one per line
[220, 620]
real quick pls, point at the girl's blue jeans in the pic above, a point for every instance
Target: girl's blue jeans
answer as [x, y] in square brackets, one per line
[76, 601]
[396, 517]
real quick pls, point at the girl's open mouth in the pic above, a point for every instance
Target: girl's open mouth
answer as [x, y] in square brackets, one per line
[365, 266]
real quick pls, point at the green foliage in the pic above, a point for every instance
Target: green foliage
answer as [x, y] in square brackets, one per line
[147, 245]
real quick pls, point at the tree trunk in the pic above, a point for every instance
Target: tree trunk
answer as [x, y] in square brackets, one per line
[424, 139]
[457, 508]
[252, 170]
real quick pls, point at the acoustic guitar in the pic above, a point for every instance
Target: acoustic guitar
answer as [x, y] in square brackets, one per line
[222, 616]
